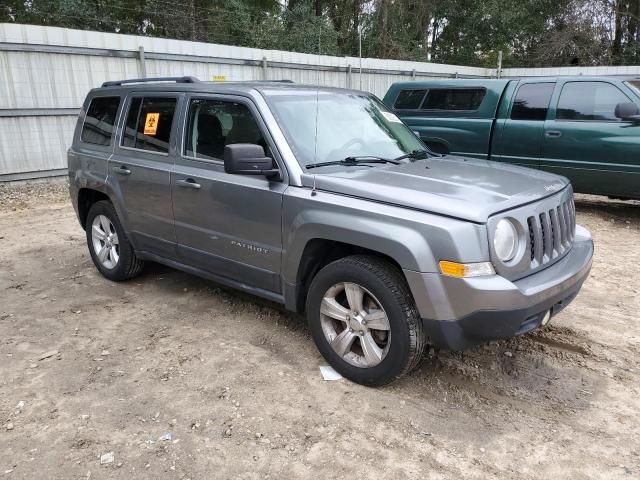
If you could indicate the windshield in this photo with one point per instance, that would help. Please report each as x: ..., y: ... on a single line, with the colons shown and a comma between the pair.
x: 327, y: 126
x: 635, y: 85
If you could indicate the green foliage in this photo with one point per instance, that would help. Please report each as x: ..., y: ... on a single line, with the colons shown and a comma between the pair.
x: 466, y: 32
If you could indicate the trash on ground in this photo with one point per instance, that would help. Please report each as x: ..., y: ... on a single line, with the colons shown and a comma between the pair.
x: 107, y: 458
x: 329, y: 374
x: 48, y: 354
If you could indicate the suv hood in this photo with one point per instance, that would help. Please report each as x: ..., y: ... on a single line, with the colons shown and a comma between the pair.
x: 458, y: 187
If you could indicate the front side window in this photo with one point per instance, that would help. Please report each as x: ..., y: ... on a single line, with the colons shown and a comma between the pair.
x: 460, y: 99
x: 532, y: 101
x: 148, y: 125
x: 214, y: 124
x: 589, y: 101
x: 409, y: 99
x: 324, y: 126
x: 99, y: 120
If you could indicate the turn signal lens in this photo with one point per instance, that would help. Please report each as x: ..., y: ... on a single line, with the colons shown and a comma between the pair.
x: 461, y: 270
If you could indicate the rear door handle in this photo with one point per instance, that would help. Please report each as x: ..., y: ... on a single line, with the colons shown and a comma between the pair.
x: 553, y: 133
x: 188, y: 183
x: 122, y: 170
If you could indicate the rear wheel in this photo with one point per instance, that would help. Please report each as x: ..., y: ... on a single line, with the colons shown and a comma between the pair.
x: 363, y: 319
x: 109, y: 246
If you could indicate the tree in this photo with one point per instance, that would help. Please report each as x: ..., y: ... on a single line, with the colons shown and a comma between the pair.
x: 466, y: 32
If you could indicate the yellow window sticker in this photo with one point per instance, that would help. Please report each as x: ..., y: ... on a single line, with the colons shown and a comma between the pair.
x: 151, y: 123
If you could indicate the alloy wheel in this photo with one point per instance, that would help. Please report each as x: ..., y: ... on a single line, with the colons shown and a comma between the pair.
x: 105, y: 241
x: 355, y: 324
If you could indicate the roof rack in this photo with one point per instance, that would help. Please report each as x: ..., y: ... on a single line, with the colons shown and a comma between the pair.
x: 115, y: 83
x: 256, y: 81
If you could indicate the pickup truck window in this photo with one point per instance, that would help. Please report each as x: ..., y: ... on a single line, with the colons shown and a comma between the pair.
x: 98, y: 123
x: 149, y: 124
x: 213, y: 124
x: 460, y: 99
x: 453, y: 99
x: 589, y: 101
x: 409, y: 99
x: 532, y: 101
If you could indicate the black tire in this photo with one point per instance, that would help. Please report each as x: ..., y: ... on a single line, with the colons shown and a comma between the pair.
x: 128, y: 264
x: 386, y: 282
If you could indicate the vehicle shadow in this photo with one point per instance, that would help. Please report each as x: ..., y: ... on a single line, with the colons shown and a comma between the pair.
x: 608, y: 209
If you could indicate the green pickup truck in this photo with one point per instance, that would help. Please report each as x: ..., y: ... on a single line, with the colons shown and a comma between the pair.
x: 585, y: 128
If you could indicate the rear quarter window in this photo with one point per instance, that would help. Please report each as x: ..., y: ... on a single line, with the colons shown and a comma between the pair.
x: 97, y: 128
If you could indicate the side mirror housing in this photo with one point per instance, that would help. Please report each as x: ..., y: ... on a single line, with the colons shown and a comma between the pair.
x: 628, y: 111
x: 248, y: 159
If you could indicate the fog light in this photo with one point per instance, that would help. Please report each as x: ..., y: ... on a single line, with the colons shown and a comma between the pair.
x: 547, y: 317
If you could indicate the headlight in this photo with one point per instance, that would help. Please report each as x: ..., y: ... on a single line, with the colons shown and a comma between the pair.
x: 505, y: 240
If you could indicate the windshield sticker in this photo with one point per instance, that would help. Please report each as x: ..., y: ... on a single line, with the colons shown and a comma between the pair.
x: 151, y: 123
x: 391, y: 117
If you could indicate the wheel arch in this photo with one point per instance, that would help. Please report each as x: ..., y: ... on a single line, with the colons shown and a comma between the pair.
x: 319, y: 252
x: 86, y: 198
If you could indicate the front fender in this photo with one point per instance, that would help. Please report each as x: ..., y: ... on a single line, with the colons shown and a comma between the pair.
x: 399, y: 242
x: 415, y: 240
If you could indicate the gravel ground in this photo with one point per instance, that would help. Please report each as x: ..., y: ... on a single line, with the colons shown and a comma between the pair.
x: 170, y: 376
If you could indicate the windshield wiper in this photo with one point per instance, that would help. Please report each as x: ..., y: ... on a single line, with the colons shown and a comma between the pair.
x: 415, y: 155
x: 350, y: 161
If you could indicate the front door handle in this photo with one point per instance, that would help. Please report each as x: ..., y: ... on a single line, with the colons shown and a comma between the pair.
x: 122, y: 170
x: 553, y: 133
x: 188, y: 183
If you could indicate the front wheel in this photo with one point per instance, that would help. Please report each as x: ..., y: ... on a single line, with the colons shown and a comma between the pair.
x: 364, y: 321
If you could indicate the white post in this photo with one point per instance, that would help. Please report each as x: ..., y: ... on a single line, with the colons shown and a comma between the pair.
x: 142, y: 62
x: 499, y: 71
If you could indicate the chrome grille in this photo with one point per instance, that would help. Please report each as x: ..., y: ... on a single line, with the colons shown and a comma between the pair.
x: 551, y: 232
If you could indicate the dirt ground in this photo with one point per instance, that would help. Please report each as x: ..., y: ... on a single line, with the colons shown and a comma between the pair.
x: 234, y: 380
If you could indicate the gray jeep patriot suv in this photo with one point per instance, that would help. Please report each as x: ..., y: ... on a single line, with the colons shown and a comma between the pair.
x: 323, y: 200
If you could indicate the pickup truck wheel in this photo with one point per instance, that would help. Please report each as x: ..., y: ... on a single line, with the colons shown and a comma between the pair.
x: 364, y: 321
x: 108, y: 244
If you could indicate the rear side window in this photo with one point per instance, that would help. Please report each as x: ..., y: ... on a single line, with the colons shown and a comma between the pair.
x: 454, y: 99
x: 532, y: 101
x: 584, y: 101
x: 99, y: 120
x: 409, y: 99
x: 148, y: 125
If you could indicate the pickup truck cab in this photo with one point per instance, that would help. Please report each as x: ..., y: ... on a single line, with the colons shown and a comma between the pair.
x: 322, y: 200
x: 584, y: 128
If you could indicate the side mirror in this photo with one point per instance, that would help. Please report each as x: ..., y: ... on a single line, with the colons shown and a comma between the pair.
x: 627, y: 111
x: 248, y: 159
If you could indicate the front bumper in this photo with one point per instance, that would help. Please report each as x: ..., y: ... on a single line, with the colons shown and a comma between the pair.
x: 462, y: 312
